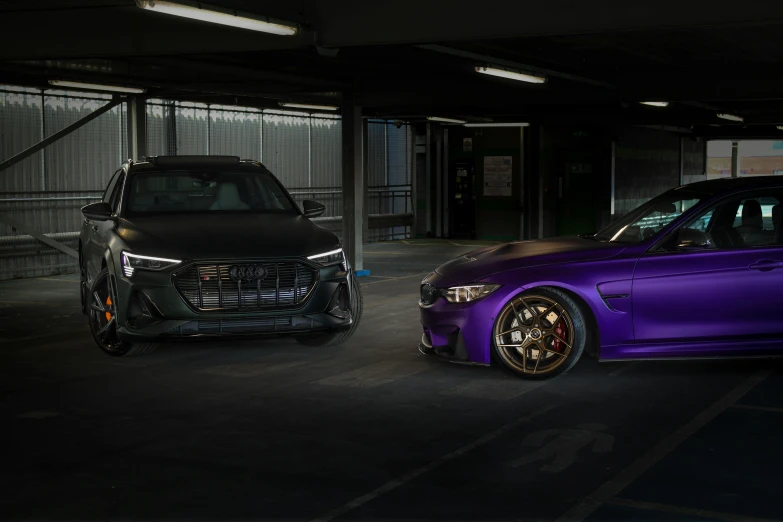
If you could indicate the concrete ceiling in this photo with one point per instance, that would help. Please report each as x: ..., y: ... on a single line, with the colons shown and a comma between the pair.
x: 408, y: 58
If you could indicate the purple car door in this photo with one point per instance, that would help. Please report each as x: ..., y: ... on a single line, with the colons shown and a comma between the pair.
x: 719, y: 276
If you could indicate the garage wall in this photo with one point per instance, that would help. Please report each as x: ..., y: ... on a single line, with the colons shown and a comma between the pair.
x: 46, y: 190
x: 647, y: 163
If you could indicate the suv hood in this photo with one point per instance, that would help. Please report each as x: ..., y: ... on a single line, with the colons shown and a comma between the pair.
x: 227, y: 236
x: 484, y: 262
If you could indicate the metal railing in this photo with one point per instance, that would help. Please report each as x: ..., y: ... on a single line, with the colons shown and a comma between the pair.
x: 389, y: 209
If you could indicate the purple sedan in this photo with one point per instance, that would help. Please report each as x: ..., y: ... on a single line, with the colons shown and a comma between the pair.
x: 694, y: 272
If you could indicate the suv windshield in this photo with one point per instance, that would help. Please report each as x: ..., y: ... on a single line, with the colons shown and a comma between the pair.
x: 651, y: 217
x: 205, y: 191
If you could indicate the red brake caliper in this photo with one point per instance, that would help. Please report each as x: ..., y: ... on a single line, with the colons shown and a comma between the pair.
x: 560, y: 331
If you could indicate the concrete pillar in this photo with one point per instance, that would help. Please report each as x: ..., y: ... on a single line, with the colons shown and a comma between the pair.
x: 365, y: 185
x: 137, y: 127
x: 354, y: 185
x: 734, y: 159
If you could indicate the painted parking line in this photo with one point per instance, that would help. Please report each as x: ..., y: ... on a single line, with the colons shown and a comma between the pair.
x: 690, y: 512
x: 419, y: 275
x: 401, y: 481
x: 758, y: 408
x: 611, y: 488
x: 494, y: 389
x: 375, y: 374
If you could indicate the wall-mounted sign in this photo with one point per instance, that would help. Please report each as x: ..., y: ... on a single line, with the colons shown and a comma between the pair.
x: 467, y: 144
x: 497, y: 176
x: 581, y: 168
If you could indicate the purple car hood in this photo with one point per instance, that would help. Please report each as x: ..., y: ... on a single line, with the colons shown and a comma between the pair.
x: 484, y: 262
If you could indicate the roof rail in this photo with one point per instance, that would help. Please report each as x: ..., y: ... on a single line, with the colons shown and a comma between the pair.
x: 193, y: 160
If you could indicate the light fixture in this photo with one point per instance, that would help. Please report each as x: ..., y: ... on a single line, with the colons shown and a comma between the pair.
x: 332, y: 257
x: 216, y: 15
x: 511, y: 75
x: 780, y: 127
x: 445, y: 120
x: 655, y: 103
x: 502, y: 124
x: 96, y: 86
x: 731, y: 117
x: 467, y: 293
x: 309, y: 106
x: 132, y: 262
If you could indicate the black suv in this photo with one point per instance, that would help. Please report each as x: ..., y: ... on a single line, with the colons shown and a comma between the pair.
x: 184, y: 246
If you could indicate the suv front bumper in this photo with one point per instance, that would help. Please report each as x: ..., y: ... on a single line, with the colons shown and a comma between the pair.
x: 149, y: 307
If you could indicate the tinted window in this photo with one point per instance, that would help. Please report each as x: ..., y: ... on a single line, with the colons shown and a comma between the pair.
x: 116, y: 192
x: 652, y: 217
x: 747, y: 220
x: 110, y: 187
x: 203, y: 191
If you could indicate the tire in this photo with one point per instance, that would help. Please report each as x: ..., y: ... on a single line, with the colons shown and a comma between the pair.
x: 340, y: 336
x: 553, y: 331
x: 102, y: 319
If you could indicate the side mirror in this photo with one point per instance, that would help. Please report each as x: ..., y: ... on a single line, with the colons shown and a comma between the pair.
x: 100, y: 211
x: 313, y: 208
x: 690, y: 239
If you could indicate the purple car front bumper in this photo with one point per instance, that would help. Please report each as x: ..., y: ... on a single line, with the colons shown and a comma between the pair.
x: 461, y: 332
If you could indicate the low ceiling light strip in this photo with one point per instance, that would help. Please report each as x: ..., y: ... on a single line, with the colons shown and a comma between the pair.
x: 780, y: 127
x: 502, y: 124
x: 445, y: 120
x: 730, y: 117
x: 216, y: 15
x: 655, y: 103
x: 96, y: 86
x: 309, y: 106
x: 511, y: 75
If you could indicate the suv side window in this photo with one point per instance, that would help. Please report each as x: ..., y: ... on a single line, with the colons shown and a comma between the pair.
x: 745, y: 220
x: 114, y: 201
x: 110, y: 187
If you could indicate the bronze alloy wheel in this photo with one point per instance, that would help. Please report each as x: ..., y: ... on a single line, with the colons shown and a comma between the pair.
x: 534, y: 335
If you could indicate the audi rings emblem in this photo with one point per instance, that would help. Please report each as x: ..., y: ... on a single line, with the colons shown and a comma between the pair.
x: 247, y: 273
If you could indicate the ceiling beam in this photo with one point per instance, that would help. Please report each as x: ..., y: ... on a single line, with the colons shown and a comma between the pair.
x: 347, y: 22
x: 124, y: 30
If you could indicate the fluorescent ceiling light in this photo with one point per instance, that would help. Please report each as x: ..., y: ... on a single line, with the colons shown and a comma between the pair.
x: 780, y: 127
x: 445, y: 120
x: 655, y: 103
x: 511, y: 75
x: 216, y: 15
x: 96, y: 86
x: 730, y: 117
x: 520, y: 124
x: 309, y: 106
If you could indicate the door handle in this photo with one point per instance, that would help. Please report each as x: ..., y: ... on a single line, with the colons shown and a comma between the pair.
x: 766, y: 265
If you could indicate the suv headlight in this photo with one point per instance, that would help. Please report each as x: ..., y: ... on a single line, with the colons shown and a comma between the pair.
x: 333, y: 257
x: 468, y: 293
x: 131, y: 262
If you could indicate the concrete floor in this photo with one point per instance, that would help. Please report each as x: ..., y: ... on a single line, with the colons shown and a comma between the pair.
x: 372, y: 430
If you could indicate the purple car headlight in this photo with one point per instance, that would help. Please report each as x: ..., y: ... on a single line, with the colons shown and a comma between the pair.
x: 468, y: 293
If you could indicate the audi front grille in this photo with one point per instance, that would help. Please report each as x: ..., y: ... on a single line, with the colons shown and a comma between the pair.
x: 211, y: 287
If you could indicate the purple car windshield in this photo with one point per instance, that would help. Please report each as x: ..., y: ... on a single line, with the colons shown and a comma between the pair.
x: 650, y: 218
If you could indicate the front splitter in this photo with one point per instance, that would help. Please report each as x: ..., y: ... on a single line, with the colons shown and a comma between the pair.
x: 426, y: 349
